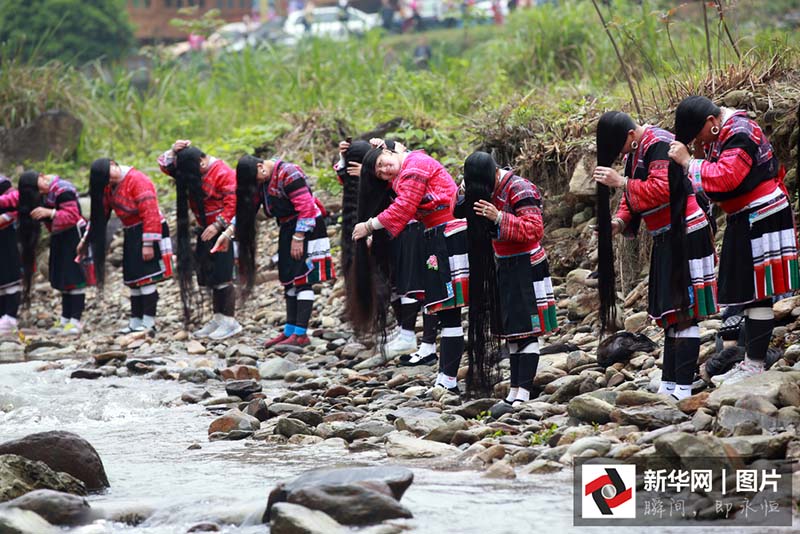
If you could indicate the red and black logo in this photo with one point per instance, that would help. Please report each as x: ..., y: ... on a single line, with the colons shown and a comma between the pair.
x: 608, y: 491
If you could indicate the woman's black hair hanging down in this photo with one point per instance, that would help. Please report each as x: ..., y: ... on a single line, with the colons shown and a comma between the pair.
x: 29, y: 229
x: 98, y: 180
x: 246, y: 191
x: 483, y: 341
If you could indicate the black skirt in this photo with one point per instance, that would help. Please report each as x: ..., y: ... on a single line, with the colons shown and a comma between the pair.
x: 316, y: 264
x: 11, y: 266
x: 408, y: 255
x: 212, y: 269
x: 661, y: 302
x: 135, y: 271
x: 446, y: 267
x: 759, y: 254
x: 65, y: 273
x: 527, y: 302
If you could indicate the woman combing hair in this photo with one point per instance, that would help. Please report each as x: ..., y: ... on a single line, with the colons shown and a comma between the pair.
x: 208, y: 186
x: 304, y: 250
x: 511, y: 291
x: 146, y: 249
x: 51, y: 200
x: 682, y: 287
x: 11, y: 266
x: 734, y: 164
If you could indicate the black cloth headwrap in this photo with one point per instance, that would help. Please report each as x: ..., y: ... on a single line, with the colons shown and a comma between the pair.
x: 483, y: 340
x: 99, y: 176
x: 612, y: 130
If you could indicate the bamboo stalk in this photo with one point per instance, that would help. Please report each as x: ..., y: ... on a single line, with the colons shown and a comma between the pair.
x: 708, y: 46
x: 619, y: 57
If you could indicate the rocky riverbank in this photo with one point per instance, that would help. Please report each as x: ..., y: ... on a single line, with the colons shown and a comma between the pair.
x: 340, y: 391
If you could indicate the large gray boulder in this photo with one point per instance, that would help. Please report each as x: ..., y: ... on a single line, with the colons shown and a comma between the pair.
x: 19, y: 475
x: 55, y: 507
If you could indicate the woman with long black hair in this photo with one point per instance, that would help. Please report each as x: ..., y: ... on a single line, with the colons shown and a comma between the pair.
x: 511, y: 291
x: 147, y: 248
x: 348, y: 170
x: 10, y: 267
x: 425, y: 192
x: 304, y: 250
x: 736, y: 168
x: 53, y: 201
x: 208, y: 186
x: 682, y: 287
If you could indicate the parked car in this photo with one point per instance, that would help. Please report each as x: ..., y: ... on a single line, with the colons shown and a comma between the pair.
x: 327, y: 22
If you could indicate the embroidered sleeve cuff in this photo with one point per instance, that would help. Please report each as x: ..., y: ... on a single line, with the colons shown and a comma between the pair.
x: 222, y: 221
x: 695, y: 166
x: 151, y: 237
x: 305, y: 225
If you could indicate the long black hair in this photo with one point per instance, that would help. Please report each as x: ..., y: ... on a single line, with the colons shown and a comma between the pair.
x: 690, y: 117
x: 367, y: 300
x: 188, y: 184
x: 354, y: 154
x: 612, y: 130
x: 29, y: 228
x: 246, y: 190
x: 99, y: 176
x: 484, y: 314
x: 5, y: 184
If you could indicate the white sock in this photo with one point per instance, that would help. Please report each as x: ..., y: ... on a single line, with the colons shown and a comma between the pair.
x: 512, y: 394
x: 682, y: 391
x: 148, y: 321
x: 64, y: 320
x: 439, y: 381
x: 449, y: 381
x: 426, y: 349
x: 666, y: 388
x: 75, y: 322
x: 523, y: 395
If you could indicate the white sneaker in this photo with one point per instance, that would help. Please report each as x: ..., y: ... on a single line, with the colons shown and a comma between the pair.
x: 72, y: 328
x: 210, y: 326
x: 740, y: 371
x: 134, y: 325
x: 228, y: 327
x: 7, y: 325
x: 401, y: 345
x: 58, y: 326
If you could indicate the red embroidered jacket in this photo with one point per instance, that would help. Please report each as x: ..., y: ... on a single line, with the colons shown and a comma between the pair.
x: 648, y: 182
x: 425, y: 192
x: 9, y: 201
x: 135, y: 202
x: 287, y: 195
x: 521, y: 227
x: 740, y: 166
x: 219, y: 186
x: 63, y: 196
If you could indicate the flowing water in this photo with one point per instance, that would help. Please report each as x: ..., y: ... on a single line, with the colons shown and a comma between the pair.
x: 144, y: 442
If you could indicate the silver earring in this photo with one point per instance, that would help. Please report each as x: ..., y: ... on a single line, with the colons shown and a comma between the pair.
x: 634, y: 145
x: 714, y: 130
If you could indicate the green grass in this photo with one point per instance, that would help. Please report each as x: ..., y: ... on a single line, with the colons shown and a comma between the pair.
x: 539, y: 74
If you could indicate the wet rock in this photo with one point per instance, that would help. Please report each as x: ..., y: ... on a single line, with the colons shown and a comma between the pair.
x: 196, y: 376
x: 542, y: 467
x: 445, y: 432
x: 757, y: 447
x: 778, y: 388
x: 242, y: 388
x: 500, y: 409
x: 204, y: 527
x: 495, y: 452
x: 234, y: 420
x: 309, y: 417
x: 590, y: 409
x: 594, y: 443
x: 62, y: 451
x: 502, y: 470
x: 16, y: 521
x: 276, y: 368
x: 257, y: 408
x: 19, y: 475
x: 293, y: 519
x: 693, y: 451
x: 396, y: 478
x: 55, y: 507
x: 336, y: 391
x: 281, y: 408
x: 240, y: 372
x: 105, y: 357
x: 89, y: 374
x: 363, y: 503
x: 11, y: 352
x: 399, y: 445
x: 471, y: 409
x: 416, y: 421
x: 289, y: 427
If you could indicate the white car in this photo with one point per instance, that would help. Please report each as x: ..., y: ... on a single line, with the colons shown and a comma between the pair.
x: 327, y: 23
